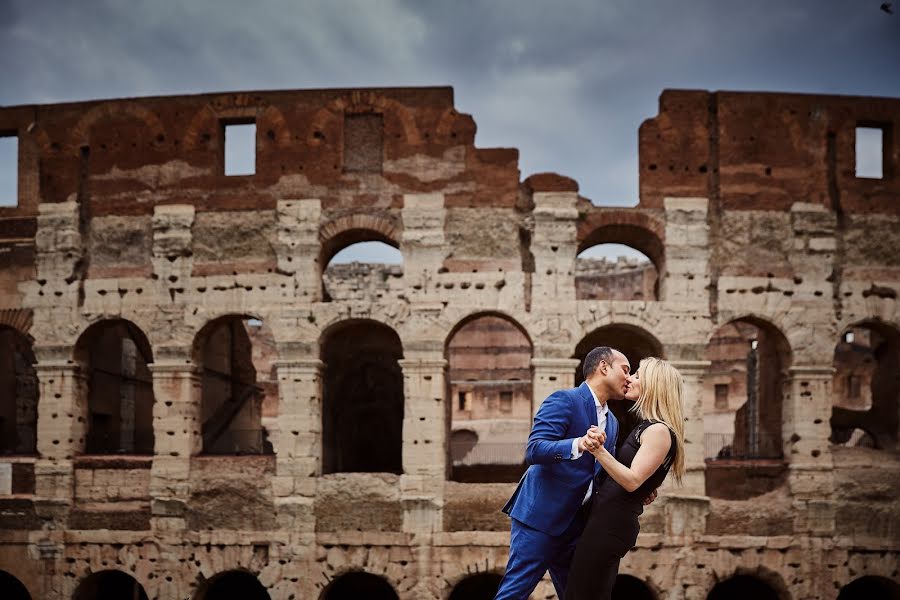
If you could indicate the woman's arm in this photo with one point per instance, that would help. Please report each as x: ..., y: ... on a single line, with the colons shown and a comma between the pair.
x: 655, y: 444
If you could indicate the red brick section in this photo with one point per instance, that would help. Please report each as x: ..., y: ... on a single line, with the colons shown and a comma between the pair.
x: 550, y: 182
x: 765, y: 151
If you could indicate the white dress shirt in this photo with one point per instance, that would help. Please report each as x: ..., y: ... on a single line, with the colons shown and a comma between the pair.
x: 602, y: 410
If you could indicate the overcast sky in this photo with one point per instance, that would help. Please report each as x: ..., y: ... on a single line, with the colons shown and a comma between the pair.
x: 567, y: 83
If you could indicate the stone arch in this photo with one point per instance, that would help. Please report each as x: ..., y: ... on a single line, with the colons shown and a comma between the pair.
x: 272, y: 118
x: 629, y: 587
x: 341, y: 232
x: 206, y: 116
x: 235, y: 355
x: 489, y: 372
x: 635, y: 343
x: 109, y: 584
x: 363, y: 398
x: 743, y: 585
x: 115, y: 356
x: 236, y: 584
x: 360, y: 102
x: 869, y: 587
x: 478, y: 586
x: 79, y: 134
x: 19, y: 319
x: 622, y: 226
x: 19, y: 392
x: 12, y: 588
x: 866, y: 386
x: 354, y: 585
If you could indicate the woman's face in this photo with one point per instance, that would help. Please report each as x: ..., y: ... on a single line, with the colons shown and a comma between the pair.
x: 633, y: 389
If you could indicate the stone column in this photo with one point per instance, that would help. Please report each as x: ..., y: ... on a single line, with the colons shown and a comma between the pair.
x: 298, y: 247
x: 423, y: 244
x: 549, y: 375
x: 177, y: 437
x: 296, y: 436
x: 694, y: 462
x: 61, y: 432
x: 554, y: 247
x: 805, y: 433
x: 685, y: 279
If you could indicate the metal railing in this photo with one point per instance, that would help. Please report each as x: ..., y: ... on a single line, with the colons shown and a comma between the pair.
x: 724, y: 446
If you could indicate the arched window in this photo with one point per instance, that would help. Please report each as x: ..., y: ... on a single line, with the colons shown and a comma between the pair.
x: 18, y: 394
x: 12, y: 588
x: 635, y: 344
x: 866, y: 389
x: 489, y: 358
x: 362, y: 412
x: 232, y: 585
x: 109, y: 584
x: 481, y: 586
x: 615, y: 272
x: 236, y: 354
x: 870, y: 587
x: 743, y: 587
x: 356, y: 585
x: 115, y: 354
x: 362, y: 271
x: 628, y: 587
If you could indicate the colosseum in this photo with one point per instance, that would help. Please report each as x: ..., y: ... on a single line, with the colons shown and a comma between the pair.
x: 198, y: 403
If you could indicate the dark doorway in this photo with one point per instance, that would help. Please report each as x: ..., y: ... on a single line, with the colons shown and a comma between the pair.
x: 12, y: 588
x: 743, y: 587
x: 359, y: 585
x: 234, y: 585
x: 362, y: 410
x: 18, y: 394
x: 109, y: 585
x: 482, y: 586
x: 631, y: 588
x: 870, y: 588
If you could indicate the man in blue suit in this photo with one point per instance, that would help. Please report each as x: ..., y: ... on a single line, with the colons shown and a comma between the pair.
x: 550, y: 506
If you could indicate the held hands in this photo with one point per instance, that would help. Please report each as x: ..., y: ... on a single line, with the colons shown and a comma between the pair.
x: 592, y: 441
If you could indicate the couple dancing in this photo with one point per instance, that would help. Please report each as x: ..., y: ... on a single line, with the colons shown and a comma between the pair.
x: 577, y: 507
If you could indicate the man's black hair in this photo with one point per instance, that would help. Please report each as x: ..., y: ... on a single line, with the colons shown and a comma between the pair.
x: 592, y: 360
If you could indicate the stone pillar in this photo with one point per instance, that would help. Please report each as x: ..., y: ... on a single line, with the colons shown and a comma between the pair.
x: 61, y: 430
x: 172, y: 243
x: 549, y: 375
x: 177, y: 437
x: 423, y: 244
x: 694, y: 462
x: 298, y: 247
x: 807, y: 411
x: 684, y: 278
x: 296, y: 436
x: 554, y: 248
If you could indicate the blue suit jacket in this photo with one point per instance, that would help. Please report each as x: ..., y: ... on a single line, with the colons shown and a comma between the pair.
x: 553, y: 487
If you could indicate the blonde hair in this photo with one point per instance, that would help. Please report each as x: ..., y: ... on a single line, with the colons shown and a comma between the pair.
x: 662, y: 389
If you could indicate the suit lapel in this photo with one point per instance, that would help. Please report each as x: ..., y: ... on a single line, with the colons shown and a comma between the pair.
x: 588, y: 404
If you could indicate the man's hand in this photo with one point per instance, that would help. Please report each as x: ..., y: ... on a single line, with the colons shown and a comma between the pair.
x: 593, y: 439
x: 649, y: 499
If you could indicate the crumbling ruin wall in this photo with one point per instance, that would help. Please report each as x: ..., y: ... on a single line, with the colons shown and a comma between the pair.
x: 750, y: 213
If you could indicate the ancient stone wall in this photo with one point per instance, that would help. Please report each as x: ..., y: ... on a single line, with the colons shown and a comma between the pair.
x: 301, y: 418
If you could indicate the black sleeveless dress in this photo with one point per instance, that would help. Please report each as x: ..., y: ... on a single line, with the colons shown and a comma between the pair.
x: 612, y: 526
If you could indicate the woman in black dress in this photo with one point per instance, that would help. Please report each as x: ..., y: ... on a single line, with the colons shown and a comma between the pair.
x: 654, y: 447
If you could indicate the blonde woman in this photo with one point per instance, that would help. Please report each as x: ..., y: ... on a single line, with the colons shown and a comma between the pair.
x: 654, y: 447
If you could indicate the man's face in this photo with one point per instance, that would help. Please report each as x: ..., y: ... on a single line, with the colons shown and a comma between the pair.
x: 617, y: 376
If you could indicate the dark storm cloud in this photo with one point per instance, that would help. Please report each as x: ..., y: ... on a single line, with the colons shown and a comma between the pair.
x: 568, y: 83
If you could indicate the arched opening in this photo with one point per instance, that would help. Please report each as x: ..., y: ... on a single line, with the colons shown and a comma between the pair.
x: 109, y: 584
x: 232, y: 585
x: 615, y: 272
x: 742, y: 409
x: 870, y: 587
x: 628, y: 587
x: 18, y: 394
x: 743, y: 587
x: 362, y: 412
x: 866, y: 388
x: 481, y: 586
x: 489, y: 359
x: 236, y: 355
x: 358, y: 584
x: 115, y: 355
x: 635, y: 344
x: 12, y: 588
x: 360, y: 264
